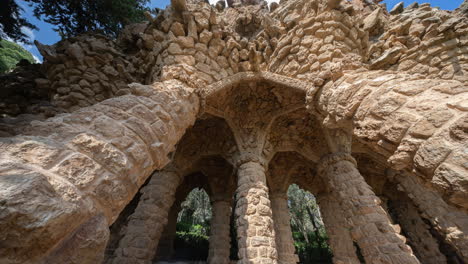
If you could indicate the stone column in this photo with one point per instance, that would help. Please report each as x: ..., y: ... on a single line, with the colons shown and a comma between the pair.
x: 147, y: 223
x: 166, y: 242
x: 283, y: 235
x: 255, y: 229
x: 448, y: 221
x: 339, y: 237
x: 220, y: 240
x: 379, y: 241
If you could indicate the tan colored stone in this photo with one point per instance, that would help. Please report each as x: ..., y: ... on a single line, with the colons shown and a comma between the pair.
x: 285, y: 87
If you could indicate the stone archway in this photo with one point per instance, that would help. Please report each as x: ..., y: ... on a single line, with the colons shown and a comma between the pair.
x: 163, y: 194
x: 310, y: 81
x: 252, y: 133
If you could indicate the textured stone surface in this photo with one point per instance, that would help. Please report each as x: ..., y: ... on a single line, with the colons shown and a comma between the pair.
x: 79, y: 165
x: 247, y: 91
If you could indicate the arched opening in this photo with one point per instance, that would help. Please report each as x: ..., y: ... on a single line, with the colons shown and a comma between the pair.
x: 193, y: 227
x: 186, y: 234
x: 307, y: 227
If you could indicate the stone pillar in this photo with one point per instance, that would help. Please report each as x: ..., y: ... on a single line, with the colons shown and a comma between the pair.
x: 379, y: 241
x: 147, y: 223
x: 255, y: 229
x: 166, y: 242
x: 220, y: 240
x: 283, y: 235
x: 339, y: 237
x: 448, y: 221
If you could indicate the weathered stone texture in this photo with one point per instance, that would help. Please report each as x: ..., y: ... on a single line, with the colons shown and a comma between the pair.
x: 146, y: 224
x: 220, y: 243
x: 79, y: 165
x: 255, y: 228
x: 284, y: 239
x: 280, y: 96
x: 407, y: 119
x: 338, y: 230
x: 379, y: 241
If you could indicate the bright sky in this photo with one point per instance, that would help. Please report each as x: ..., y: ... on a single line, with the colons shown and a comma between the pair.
x: 46, y: 35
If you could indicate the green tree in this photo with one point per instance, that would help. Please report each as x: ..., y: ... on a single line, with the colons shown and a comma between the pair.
x: 10, y: 54
x: 193, y: 226
x: 308, y: 230
x: 196, y: 211
x: 11, y: 21
x: 72, y: 17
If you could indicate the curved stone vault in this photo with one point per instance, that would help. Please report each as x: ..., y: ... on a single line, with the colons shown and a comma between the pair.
x: 366, y: 110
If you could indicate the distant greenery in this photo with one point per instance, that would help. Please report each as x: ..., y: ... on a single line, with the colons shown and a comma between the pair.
x: 193, y: 227
x: 310, y: 238
x: 191, y: 242
x: 196, y: 210
x: 10, y: 54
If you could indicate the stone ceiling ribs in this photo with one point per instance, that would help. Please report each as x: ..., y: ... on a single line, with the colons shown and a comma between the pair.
x: 341, y: 97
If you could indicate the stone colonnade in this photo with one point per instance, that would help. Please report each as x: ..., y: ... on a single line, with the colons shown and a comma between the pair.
x: 378, y: 240
x: 148, y: 230
x: 353, y: 217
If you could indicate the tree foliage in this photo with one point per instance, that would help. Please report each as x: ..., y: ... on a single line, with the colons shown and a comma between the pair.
x: 72, y: 17
x: 11, y: 22
x: 196, y: 210
x: 310, y: 238
x: 10, y: 54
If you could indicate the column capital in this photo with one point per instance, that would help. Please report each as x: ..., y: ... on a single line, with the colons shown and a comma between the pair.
x: 250, y: 157
x: 333, y: 158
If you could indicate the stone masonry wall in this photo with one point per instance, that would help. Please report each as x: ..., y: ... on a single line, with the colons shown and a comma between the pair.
x: 295, y: 69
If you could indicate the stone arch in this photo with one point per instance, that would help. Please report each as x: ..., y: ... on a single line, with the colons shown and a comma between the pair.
x: 166, y: 248
x: 90, y: 166
x: 288, y: 168
x: 272, y: 96
x: 164, y: 191
x: 217, y: 101
x: 209, y: 136
x: 279, y: 177
x: 297, y: 131
x: 85, y: 166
